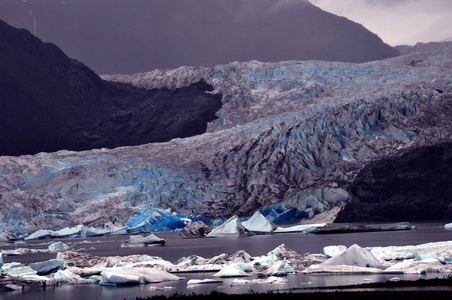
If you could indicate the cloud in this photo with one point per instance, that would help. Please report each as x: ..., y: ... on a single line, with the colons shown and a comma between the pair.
x: 397, y: 22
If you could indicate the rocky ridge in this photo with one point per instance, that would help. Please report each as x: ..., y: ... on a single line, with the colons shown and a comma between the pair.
x: 50, y: 102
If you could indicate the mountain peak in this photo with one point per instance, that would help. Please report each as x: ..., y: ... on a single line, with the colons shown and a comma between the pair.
x: 135, y: 36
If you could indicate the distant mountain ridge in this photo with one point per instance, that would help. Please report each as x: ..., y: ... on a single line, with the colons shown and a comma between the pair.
x: 129, y: 36
x: 49, y: 102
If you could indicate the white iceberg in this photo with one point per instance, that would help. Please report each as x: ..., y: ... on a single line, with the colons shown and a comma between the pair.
x: 269, y: 280
x: 305, y: 228
x: 231, y: 228
x: 341, y: 269
x: 258, y: 224
x: 448, y: 226
x: 108, y: 229
x: 68, y: 231
x: 137, y: 275
x: 235, y: 270
x: 119, y: 278
x: 58, y: 247
x: 331, y: 251
x: 411, y: 266
x: 354, y: 256
x: 67, y: 276
x: 143, y: 241
x: 434, y: 250
x: 203, y: 281
x: 40, y: 234
x: 26, y: 273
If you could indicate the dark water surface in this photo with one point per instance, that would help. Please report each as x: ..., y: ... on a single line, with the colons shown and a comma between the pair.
x: 177, y: 247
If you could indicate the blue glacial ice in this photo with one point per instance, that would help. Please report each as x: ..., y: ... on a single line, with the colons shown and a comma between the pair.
x: 290, y: 138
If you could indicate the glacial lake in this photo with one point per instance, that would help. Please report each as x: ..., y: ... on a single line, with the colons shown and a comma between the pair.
x: 176, y: 248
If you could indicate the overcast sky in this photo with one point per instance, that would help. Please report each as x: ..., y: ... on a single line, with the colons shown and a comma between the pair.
x: 397, y: 22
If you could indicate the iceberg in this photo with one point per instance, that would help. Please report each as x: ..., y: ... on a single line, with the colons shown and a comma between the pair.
x: 68, y: 277
x: 411, y: 266
x: 136, y: 275
x: 46, y: 267
x: 269, y: 280
x: 203, y: 281
x: 119, y: 278
x: 341, y: 269
x: 143, y: 241
x: 258, y: 224
x: 231, y: 228
x: 341, y: 228
x: 109, y: 228
x: 58, y: 247
x: 40, y: 234
x: 235, y: 270
x: 448, y: 226
x: 354, y: 256
x: 434, y: 250
x: 305, y: 228
x: 68, y: 232
x: 331, y: 251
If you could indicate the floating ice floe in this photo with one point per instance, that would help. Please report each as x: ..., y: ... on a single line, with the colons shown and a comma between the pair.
x: 49, y: 266
x: 143, y: 241
x: 269, y: 280
x: 331, y: 251
x: 420, y: 259
x: 353, y: 260
x: 433, y: 250
x: 305, y: 228
x: 203, y: 281
x: 58, y: 247
x: 108, y: 229
x: 411, y: 266
x: 348, y: 228
x: 125, y: 276
x: 66, y: 276
x: 354, y: 256
x: 231, y: 228
x: 65, y: 232
x: 258, y: 224
x: 448, y: 226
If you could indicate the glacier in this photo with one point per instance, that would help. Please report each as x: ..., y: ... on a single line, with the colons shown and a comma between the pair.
x: 289, y: 140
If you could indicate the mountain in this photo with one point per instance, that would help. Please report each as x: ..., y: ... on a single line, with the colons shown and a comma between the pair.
x: 50, y: 102
x: 130, y: 36
x: 295, y: 138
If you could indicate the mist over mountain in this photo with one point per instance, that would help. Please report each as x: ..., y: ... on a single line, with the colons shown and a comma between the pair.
x: 50, y: 102
x: 129, y: 36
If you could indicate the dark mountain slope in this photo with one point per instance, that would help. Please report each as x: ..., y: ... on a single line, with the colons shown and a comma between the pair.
x: 415, y: 186
x: 50, y: 102
x: 129, y: 36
